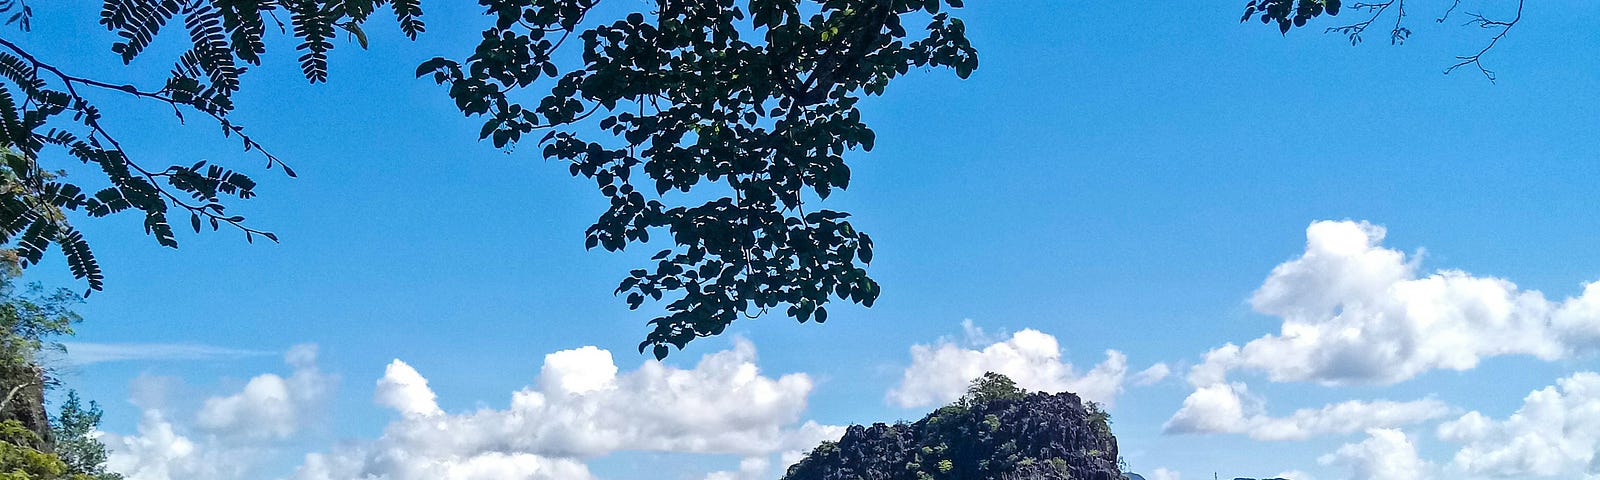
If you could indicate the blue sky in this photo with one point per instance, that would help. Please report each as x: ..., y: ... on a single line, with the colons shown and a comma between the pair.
x: 1112, y: 178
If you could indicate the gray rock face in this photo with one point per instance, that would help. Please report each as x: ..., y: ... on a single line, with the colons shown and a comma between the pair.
x: 1037, y: 437
x: 26, y: 404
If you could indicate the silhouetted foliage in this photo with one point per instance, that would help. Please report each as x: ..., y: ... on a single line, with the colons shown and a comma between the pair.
x: 1289, y: 14
x: 755, y: 101
x: 48, y: 116
x: 752, y: 101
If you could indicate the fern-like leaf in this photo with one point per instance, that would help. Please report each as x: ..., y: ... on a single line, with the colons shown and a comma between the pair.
x: 210, y: 52
x: 314, y: 26
x: 80, y: 259
x: 35, y: 240
x: 155, y: 223
x: 409, y: 13
x: 242, y: 19
x: 137, y: 22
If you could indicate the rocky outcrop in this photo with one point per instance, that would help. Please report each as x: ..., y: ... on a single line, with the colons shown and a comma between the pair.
x: 22, y: 399
x: 1035, y: 436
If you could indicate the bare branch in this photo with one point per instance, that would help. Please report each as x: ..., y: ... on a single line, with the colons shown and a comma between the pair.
x: 11, y: 395
x: 1448, y: 11
x: 1476, y: 59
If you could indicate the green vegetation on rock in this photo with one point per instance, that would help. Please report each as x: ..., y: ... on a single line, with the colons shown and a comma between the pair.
x: 996, y: 431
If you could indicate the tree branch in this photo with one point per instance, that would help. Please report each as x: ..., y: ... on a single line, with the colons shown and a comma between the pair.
x: 1476, y: 59
x: 11, y: 395
x: 69, y: 80
x: 90, y: 119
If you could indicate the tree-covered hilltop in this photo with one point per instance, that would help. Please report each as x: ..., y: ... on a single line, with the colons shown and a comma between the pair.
x: 33, y: 445
x: 996, y: 431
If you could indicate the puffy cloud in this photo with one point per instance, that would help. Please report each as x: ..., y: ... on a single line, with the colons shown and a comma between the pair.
x: 405, y: 391
x: 1355, y: 312
x: 1150, y: 376
x: 234, y: 431
x: 160, y: 452
x: 941, y: 373
x: 1555, y: 433
x: 582, y: 407
x: 358, y: 462
x: 271, y: 406
x: 750, y: 468
x: 1386, y: 454
x: 1164, y: 474
x: 1229, y: 408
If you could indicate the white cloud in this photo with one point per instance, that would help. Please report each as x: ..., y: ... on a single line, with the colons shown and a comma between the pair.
x: 1294, y: 475
x: 582, y: 407
x: 1229, y: 408
x: 406, y: 391
x: 358, y: 462
x: 1554, y: 434
x: 1164, y: 474
x: 271, y: 406
x: 86, y: 353
x: 941, y: 373
x: 1150, y: 376
x: 1355, y: 312
x: 160, y: 452
x: 750, y: 468
x: 233, y: 433
x: 1386, y: 454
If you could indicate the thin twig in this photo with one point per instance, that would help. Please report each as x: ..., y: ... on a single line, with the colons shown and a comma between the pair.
x: 1476, y: 59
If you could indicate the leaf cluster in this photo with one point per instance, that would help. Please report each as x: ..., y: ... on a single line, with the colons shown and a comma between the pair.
x: 76, y: 443
x: 49, y: 118
x: 1287, y: 13
x: 29, y: 316
x: 31, y: 445
x: 753, y: 100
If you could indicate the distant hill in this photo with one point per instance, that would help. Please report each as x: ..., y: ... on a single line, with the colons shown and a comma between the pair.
x: 996, y: 432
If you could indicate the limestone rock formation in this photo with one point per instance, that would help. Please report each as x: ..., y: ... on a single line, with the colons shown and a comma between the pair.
x: 1034, y: 436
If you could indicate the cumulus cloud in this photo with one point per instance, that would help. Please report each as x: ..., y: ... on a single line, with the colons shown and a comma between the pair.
x: 1230, y: 408
x: 360, y: 462
x: 582, y: 407
x: 1150, y: 376
x: 1356, y: 312
x: 1555, y: 434
x: 941, y: 372
x: 750, y: 468
x: 271, y: 406
x: 1386, y: 454
x: 233, y: 431
x: 1294, y: 475
x: 406, y: 391
x: 1164, y: 474
x: 159, y: 451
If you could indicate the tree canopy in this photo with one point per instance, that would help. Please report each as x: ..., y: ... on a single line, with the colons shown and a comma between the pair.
x: 1290, y: 14
x: 32, y: 444
x: 715, y: 126
x: 751, y: 101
